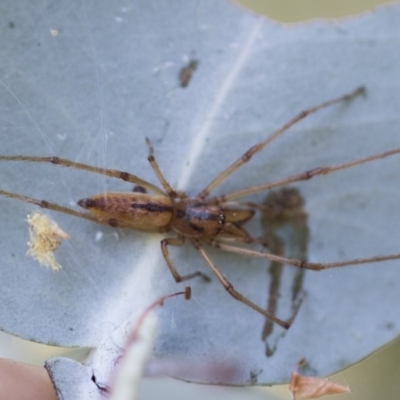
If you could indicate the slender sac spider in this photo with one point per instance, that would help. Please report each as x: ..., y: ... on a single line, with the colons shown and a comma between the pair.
x: 215, y: 221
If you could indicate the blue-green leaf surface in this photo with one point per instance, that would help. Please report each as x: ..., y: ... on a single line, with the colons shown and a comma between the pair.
x: 90, y: 80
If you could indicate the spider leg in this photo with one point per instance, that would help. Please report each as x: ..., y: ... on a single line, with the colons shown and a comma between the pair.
x: 238, y: 296
x: 299, y: 177
x: 248, y: 239
x: 301, y: 263
x: 153, y: 163
x: 48, y: 205
x: 125, y: 176
x: 259, y: 146
x: 178, y: 278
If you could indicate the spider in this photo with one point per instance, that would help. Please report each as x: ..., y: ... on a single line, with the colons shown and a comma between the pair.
x: 217, y: 221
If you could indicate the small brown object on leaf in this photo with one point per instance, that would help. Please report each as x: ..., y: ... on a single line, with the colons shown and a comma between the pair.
x: 311, y: 387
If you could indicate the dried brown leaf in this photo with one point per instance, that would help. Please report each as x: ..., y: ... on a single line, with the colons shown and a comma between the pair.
x: 311, y: 387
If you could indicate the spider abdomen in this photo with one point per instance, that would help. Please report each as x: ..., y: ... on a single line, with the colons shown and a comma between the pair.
x: 139, y: 210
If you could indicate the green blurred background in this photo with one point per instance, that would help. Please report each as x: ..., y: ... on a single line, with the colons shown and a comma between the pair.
x: 303, y: 10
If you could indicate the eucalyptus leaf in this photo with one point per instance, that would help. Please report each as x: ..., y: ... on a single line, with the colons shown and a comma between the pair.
x: 90, y: 80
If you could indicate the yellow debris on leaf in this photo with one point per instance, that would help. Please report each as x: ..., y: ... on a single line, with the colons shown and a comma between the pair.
x: 44, y: 238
